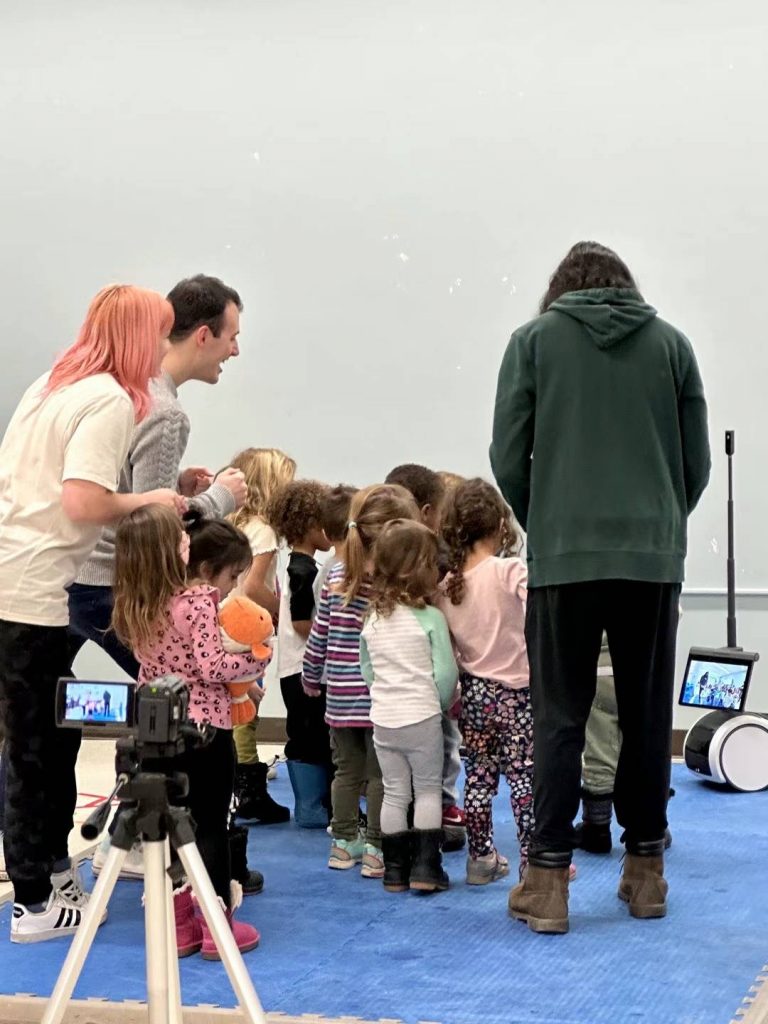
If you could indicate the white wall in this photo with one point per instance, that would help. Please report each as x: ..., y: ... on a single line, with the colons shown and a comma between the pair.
x: 389, y: 187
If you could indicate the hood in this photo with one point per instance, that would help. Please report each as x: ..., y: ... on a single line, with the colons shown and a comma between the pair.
x: 608, y: 314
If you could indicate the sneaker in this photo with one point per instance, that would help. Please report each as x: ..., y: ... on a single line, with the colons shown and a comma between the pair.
x: 487, y: 869
x: 345, y: 854
x: 133, y: 865
x: 58, y: 919
x: 373, y: 862
x: 69, y: 885
x: 3, y: 873
x: 454, y: 816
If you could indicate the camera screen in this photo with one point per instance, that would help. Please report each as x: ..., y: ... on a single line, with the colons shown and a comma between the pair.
x: 715, y: 684
x: 96, y: 703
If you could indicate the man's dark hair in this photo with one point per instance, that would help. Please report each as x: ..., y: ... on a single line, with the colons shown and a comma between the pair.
x: 200, y: 301
x: 587, y: 265
x: 424, y: 484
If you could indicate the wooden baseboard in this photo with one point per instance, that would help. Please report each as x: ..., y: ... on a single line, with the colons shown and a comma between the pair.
x: 271, y: 730
x: 678, y: 738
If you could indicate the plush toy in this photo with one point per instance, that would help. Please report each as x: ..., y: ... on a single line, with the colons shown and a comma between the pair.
x: 245, y: 626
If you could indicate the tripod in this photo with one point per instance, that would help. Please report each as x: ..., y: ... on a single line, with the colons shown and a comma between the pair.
x: 147, y: 814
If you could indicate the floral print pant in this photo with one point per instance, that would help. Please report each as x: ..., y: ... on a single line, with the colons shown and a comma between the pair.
x: 497, y: 727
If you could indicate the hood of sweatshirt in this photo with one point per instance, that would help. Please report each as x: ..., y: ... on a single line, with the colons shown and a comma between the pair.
x: 608, y: 314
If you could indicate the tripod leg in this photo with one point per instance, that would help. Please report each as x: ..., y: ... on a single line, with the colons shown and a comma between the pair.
x: 222, y: 933
x: 156, y: 931
x: 174, y: 983
x: 81, y: 944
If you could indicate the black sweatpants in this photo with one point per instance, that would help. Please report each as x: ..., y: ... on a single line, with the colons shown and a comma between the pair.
x: 309, y: 738
x: 211, y: 773
x: 563, y: 631
x: 41, y: 791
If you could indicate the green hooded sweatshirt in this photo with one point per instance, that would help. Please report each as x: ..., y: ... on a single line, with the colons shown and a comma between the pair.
x: 600, y: 440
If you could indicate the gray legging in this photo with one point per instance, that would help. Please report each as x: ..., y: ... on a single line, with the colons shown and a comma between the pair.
x: 411, y: 761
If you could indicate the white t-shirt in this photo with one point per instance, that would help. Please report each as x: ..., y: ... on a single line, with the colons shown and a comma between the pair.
x: 78, y: 432
x: 262, y: 539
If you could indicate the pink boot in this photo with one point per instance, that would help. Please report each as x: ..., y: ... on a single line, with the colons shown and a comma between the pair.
x: 246, y: 937
x: 189, y: 934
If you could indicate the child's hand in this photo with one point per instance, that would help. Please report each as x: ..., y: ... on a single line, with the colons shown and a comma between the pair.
x: 309, y: 691
x: 256, y: 693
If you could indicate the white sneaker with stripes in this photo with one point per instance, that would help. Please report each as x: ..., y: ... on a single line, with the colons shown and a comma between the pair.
x: 57, y: 919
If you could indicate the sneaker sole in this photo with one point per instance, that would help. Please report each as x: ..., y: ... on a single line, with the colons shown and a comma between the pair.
x: 399, y: 887
x: 427, y: 887
x: 342, y: 865
x: 367, y: 872
x: 52, y: 933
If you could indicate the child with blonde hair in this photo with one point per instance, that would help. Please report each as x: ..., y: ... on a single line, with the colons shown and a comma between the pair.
x: 409, y: 665
x: 172, y: 626
x: 266, y: 470
x: 333, y: 648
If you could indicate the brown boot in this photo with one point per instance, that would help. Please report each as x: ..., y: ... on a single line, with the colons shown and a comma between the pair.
x: 541, y: 899
x: 643, y: 885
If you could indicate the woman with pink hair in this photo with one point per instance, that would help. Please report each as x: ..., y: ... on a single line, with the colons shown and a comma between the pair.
x: 60, y: 461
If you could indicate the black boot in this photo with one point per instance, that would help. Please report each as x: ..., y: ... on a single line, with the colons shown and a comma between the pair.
x: 397, y: 861
x: 593, y: 833
x: 251, y: 881
x: 254, y: 804
x: 427, y: 873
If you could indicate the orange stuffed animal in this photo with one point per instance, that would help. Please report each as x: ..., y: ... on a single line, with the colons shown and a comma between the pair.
x: 245, y: 626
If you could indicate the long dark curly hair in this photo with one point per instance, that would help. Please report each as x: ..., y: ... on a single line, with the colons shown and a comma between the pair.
x: 587, y: 265
x: 474, y: 511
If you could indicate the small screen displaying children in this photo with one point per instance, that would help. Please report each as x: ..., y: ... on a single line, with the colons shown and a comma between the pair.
x: 89, y: 703
x: 710, y: 684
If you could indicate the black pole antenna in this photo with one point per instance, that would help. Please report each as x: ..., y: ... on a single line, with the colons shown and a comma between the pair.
x: 730, y: 447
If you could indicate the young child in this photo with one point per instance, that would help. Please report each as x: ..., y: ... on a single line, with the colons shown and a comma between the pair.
x: 408, y: 662
x: 296, y: 514
x: 333, y: 648
x: 483, y: 598
x: 266, y: 470
x: 428, y: 490
x: 172, y: 628
x: 334, y: 516
x: 219, y: 553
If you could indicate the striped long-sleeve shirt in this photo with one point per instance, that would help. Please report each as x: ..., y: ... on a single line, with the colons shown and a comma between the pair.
x: 334, y: 645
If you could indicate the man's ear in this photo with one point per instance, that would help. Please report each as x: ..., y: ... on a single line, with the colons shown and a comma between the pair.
x: 202, y: 335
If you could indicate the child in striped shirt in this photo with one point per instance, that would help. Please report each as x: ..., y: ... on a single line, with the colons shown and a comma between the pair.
x: 333, y: 648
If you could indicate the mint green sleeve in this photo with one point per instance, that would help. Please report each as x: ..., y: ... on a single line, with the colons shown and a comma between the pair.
x: 366, y: 668
x: 444, y: 668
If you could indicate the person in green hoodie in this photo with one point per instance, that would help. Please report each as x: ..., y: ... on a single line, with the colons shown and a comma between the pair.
x: 600, y: 446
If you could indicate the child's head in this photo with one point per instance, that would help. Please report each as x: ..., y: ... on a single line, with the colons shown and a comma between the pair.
x: 334, y: 512
x: 370, y: 511
x: 151, y: 552
x: 450, y: 480
x: 474, y: 512
x: 426, y: 487
x: 218, y: 552
x: 405, y: 569
x: 266, y: 470
x: 295, y: 513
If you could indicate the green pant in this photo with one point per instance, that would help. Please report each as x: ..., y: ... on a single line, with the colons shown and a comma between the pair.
x: 354, y: 757
x: 245, y: 742
x: 602, y: 744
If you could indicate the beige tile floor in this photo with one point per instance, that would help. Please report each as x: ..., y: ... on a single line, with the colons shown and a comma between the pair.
x: 95, y: 780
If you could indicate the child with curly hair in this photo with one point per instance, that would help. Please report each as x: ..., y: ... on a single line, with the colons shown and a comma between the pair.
x: 484, y: 598
x: 296, y: 513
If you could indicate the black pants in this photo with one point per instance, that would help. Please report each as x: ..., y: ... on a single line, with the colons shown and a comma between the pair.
x: 90, y: 617
x: 563, y: 632
x: 41, y: 791
x: 211, y: 773
x: 309, y: 739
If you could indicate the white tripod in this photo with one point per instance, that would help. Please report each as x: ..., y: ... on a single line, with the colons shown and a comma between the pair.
x: 150, y: 816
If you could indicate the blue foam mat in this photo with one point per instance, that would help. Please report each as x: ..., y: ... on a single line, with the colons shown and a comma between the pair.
x: 336, y: 944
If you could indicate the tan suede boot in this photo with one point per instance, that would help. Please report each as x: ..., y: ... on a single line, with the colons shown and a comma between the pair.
x: 643, y: 886
x: 541, y: 899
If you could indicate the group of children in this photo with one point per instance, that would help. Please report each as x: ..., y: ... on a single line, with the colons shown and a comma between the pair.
x: 406, y: 641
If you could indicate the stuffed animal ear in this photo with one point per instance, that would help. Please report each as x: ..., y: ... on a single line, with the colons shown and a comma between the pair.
x: 261, y: 651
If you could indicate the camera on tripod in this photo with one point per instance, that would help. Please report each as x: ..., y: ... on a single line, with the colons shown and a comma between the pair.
x: 150, y: 720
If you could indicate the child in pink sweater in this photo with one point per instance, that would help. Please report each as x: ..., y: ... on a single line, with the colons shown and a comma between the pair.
x: 483, y: 598
x: 172, y: 626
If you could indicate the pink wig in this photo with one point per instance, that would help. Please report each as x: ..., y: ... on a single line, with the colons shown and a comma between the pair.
x: 121, y: 336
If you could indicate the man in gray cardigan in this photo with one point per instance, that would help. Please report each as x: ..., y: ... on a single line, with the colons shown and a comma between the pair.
x: 204, y: 337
